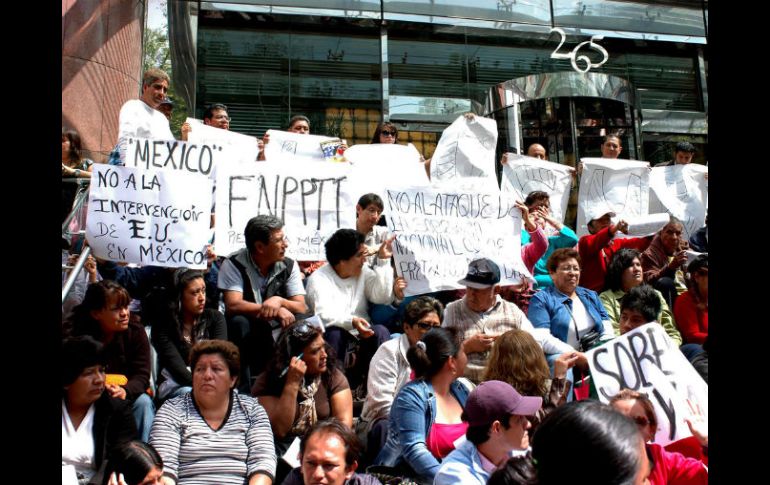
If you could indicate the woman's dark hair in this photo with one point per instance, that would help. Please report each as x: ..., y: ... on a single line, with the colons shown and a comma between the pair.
x: 76, y: 147
x: 643, y: 299
x: 227, y: 350
x: 335, y: 427
x: 622, y: 260
x: 79, y: 353
x: 169, y: 306
x: 536, y: 196
x: 421, y: 306
x: 96, y: 299
x: 440, y: 345
x: 291, y: 342
x: 571, y: 437
x: 390, y: 126
x: 563, y: 254
x: 699, y: 265
x: 342, y: 245
x: 135, y: 460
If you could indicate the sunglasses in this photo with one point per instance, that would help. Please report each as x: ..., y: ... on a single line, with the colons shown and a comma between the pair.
x: 425, y: 326
x: 387, y: 133
x: 641, y: 421
x: 302, y: 330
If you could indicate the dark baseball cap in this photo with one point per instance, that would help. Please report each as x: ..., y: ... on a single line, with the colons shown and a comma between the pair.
x: 482, y: 273
x: 685, y: 146
x: 493, y: 399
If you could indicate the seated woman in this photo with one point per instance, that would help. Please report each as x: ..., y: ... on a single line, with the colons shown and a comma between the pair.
x: 624, y: 273
x: 303, y: 384
x: 572, y: 313
x: 692, y: 306
x: 104, y: 316
x: 389, y: 370
x: 425, y: 417
x: 517, y: 359
x: 93, y: 423
x: 136, y: 463
x: 186, y: 322
x: 663, y: 260
x: 213, y: 434
x: 666, y: 467
x: 585, y: 438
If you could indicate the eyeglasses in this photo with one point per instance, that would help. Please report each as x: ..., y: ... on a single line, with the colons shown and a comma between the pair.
x: 222, y: 117
x: 641, y: 421
x: 567, y: 269
x: 283, y: 239
x: 425, y: 326
x: 387, y: 133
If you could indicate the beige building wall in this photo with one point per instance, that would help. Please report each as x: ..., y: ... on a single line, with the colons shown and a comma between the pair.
x: 101, y: 67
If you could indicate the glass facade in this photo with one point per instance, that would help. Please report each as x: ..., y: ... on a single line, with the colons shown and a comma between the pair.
x: 337, y: 62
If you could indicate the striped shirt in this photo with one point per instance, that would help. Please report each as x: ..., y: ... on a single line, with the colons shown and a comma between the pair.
x: 195, y: 454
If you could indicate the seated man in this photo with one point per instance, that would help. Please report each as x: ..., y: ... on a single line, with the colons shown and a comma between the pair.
x: 497, y: 429
x: 329, y: 454
x: 340, y: 292
x: 262, y: 289
x: 662, y: 261
x: 389, y: 369
x: 481, y: 316
x: 642, y: 305
x: 597, y: 248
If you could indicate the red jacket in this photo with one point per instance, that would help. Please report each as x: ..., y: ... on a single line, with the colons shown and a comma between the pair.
x: 693, y: 323
x: 596, y: 251
x: 674, y: 468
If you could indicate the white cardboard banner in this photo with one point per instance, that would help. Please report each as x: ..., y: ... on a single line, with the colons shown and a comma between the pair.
x: 612, y: 185
x: 466, y: 149
x: 155, y: 217
x: 285, y: 146
x: 646, y: 225
x: 312, y: 199
x: 175, y: 155
x: 243, y: 147
x: 523, y: 174
x: 377, y: 166
x: 439, y: 231
x: 681, y: 190
x: 647, y: 360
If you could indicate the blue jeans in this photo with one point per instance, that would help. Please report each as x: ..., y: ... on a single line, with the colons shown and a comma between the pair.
x: 144, y: 412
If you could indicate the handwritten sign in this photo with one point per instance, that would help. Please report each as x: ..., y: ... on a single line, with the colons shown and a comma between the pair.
x: 681, y: 190
x: 312, y: 199
x: 244, y: 148
x: 642, y: 226
x: 612, y: 185
x: 158, y: 218
x: 379, y: 165
x: 288, y: 147
x: 647, y: 360
x: 174, y: 155
x: 440, y: 231
x: 466, y: 149
x: 523, y: 174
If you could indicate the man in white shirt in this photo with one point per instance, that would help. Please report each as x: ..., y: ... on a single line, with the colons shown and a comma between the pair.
x: 140, y: 117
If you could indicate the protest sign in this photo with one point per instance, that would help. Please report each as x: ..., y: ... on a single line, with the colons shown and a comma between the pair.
x: 288, y: 147
x: 648, y: 361
x: 180, y: 156
x: 243, y: 148
x: 466, y: 149
x: 380, y: 165
x: 612, y: 185
x: 641, y: 226
x: 312, y: 199
x: 681, y: 190
x: 439, y: 231
x: 155, y: 217
x: 523, y: 174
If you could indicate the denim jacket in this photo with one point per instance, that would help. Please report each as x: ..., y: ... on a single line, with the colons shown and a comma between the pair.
x: 411, y: 418
x: 548, y: 309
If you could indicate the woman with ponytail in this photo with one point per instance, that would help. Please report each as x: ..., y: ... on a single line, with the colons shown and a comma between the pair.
x: 425, y: 416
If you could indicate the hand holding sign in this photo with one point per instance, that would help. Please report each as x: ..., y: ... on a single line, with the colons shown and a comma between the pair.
x: 699, y: 426
x: 386, y: 248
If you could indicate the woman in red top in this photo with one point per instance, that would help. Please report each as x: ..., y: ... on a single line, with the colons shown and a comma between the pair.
x: 667, y: 468
x: 691, y: 310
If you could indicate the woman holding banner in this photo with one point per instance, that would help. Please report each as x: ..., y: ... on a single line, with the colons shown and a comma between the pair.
x: 667, y: 467
x: 385, y: 133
